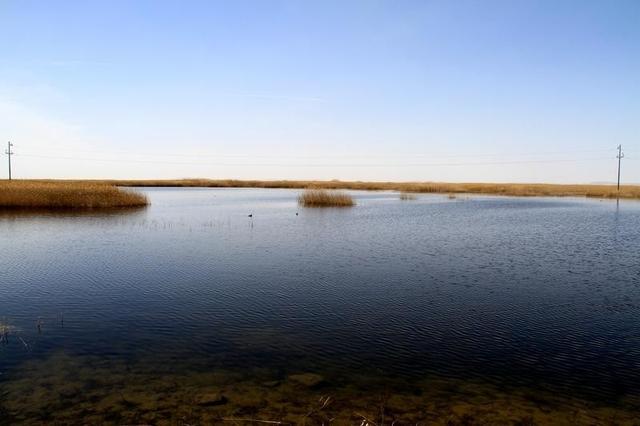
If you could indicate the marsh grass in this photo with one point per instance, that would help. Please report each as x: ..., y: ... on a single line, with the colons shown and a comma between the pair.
x: 510, y: 189
x: 324, y: 198
x: 61, y: 195
x: 407, y: 196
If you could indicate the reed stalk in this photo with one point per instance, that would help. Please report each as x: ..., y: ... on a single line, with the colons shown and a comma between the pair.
x: 57, y: 195
x: 324, y: 198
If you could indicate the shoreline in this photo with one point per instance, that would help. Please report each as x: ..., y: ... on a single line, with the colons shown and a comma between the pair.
x: 505, y: 189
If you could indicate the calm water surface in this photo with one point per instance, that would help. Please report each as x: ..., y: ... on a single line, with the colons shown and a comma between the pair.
x: 534, y: 292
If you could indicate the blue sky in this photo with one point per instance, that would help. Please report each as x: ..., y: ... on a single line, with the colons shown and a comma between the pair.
x: 520, y: 91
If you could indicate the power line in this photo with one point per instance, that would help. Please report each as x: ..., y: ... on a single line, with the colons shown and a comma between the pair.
x: 317, y: 165
x: 345, y: 156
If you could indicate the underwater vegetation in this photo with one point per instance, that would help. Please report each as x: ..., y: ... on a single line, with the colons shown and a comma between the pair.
x: 407, y: 196
x: 64, y: 389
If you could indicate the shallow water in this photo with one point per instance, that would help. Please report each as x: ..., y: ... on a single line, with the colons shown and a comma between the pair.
x: 525, y: 296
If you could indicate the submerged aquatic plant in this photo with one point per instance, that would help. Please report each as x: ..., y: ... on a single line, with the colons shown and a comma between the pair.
x: 407, y: 196
x: 64, y: 389
x: 4, y: 333
x: 6, y: 330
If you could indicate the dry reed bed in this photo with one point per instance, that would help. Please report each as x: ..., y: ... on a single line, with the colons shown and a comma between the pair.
x: 511, y: 189
x: 324, y: 198
x: 61, y: 195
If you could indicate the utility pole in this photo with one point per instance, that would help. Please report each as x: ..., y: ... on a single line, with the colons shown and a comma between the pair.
x: 9, y: 154
x: 620, y: 156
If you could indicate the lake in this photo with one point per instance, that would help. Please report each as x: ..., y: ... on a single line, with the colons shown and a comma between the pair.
x: 495, y: 309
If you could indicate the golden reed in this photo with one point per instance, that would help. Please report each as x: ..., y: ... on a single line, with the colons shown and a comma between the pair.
x: 19, y: 194
x: 513, y: 189
x: 510, y: 189
x: 324, y: 198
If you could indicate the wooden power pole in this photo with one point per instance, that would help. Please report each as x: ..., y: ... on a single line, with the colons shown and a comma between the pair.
x: 9, y: 154
x: 620, y: 156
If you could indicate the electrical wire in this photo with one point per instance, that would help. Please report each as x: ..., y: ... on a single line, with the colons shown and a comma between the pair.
x: 317, y: 165
x: 313, y: 157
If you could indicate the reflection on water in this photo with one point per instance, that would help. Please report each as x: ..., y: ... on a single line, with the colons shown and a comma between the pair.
x: 480, y: 309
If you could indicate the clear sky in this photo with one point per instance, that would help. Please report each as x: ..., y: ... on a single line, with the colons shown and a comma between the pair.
x: 513, y: 90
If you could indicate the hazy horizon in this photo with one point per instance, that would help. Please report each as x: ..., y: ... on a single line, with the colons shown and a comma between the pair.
x: 494, y: 91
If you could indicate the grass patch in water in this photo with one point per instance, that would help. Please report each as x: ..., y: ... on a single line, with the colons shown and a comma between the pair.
x: 324, y: 198
x: 60, y: 195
